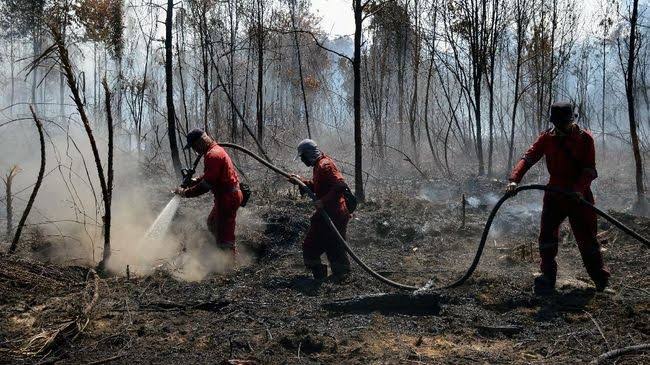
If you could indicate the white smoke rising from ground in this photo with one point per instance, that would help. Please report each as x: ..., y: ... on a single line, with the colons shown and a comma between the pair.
x: 202, y: 257
x: 64, y: 226
x: 517, y: 216
x: 439, y: 193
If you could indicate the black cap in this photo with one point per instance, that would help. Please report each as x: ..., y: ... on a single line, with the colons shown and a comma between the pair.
x: 562, y: 112
x: 194, y: 135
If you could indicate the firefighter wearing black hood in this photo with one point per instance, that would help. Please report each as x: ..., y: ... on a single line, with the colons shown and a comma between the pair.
x: 328, y: 185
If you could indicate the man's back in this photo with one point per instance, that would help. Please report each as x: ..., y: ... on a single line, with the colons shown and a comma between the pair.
x: 219, y: 170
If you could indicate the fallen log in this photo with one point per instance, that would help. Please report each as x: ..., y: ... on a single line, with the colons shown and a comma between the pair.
x: 620, y: 352
x: 404, y: 303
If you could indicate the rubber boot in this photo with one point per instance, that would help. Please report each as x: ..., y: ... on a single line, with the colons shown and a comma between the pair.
x: 601, y: 284
x: 319, y: 272
x: 544, y: 285
x: 340, y: 272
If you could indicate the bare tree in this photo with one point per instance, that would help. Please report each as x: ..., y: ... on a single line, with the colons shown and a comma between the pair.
x: 300, y: 74
x: 629, y: 72
x: 521, y: 18
x: 39, y: 181
x: 473, y: 22
x: 260, y: 34
x: 104, y: 181
x: 169, y: 87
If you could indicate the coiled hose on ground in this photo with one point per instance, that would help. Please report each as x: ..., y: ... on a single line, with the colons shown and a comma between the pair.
x: 481, y: 246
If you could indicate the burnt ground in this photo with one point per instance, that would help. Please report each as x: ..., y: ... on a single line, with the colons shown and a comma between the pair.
x: 271, y: 311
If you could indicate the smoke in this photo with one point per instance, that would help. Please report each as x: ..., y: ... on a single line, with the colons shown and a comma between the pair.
x: 65, y: 225
x: 177, y: 243
x: 200, y: 257
x: 439, y: 192
x: 517, y: 216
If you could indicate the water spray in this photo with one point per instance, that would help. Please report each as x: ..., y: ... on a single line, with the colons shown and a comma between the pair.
x: 159, y: 227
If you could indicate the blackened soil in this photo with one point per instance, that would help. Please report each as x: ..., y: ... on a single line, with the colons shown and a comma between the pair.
x: 272, y: 312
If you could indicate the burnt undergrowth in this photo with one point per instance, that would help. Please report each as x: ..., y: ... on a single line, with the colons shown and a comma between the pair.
x: 270, y: 311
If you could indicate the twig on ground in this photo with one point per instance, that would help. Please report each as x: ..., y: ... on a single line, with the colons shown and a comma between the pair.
x: 620, y: 352
x: 47, y: 341
x: 600, y: 330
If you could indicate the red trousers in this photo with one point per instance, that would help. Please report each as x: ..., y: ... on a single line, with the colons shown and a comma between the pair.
x: 320, y: 239
x: 584, y: 226
x: 221, y: 221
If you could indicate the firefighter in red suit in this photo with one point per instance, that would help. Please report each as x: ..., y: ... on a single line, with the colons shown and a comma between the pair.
x: 328, y: 185
x: 570, y: 160
x: 219, y: 177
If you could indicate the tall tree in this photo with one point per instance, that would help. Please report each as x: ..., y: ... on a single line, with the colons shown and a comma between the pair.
x: 260, y: 33
x: 358, y: 8
x: 300, y: 73
x: 521, y: 18
x: 629, y: 71
x: 472, y: 22
x: 606, y: 24
x: 169, y: 87
x: 26, y: 17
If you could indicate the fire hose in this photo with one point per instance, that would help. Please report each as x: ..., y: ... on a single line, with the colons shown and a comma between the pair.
x: 486, y: 230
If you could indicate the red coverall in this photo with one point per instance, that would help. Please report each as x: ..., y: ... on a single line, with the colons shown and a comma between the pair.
x: 571, y: 163
x: 219, y: 172
x: 328, y: 185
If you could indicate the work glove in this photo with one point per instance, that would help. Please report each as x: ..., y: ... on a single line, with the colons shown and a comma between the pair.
x: 511, y: 188
x: 293, y: 178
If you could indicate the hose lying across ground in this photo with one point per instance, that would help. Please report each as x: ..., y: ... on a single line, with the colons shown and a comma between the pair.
x: 481, y: 246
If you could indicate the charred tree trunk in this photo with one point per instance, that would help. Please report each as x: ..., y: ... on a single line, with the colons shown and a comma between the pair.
x: 602, y: 101
x: 39, y: 180
x: 36, y: 47
x: 108, y: 197
x: 169, y: 79
x: 491, y: 116
x: 299, y: 57
x: 515, y: 103
x: 205, y: 65
x: 434, y: 154
x: 413, y: 111
x: 629, y: 92
x: 231, y: 65
x: 72, y: 85
x: 9, y: 196
x: 260, y: 72
x: 180, y: 53
x: 356, y: 65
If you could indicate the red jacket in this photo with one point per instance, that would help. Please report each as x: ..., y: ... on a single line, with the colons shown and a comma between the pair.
x: 570, y: 159
x: 328, y: 185
x: 218, y: 171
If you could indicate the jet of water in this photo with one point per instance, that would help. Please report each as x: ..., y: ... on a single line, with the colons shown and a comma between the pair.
x: 160, y: 226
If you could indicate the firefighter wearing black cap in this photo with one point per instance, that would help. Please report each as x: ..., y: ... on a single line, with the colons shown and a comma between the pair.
x: 571, y: 163
x: 219, y: 177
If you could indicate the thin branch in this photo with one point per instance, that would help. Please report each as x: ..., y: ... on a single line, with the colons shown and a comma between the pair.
x: 313, y: 36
